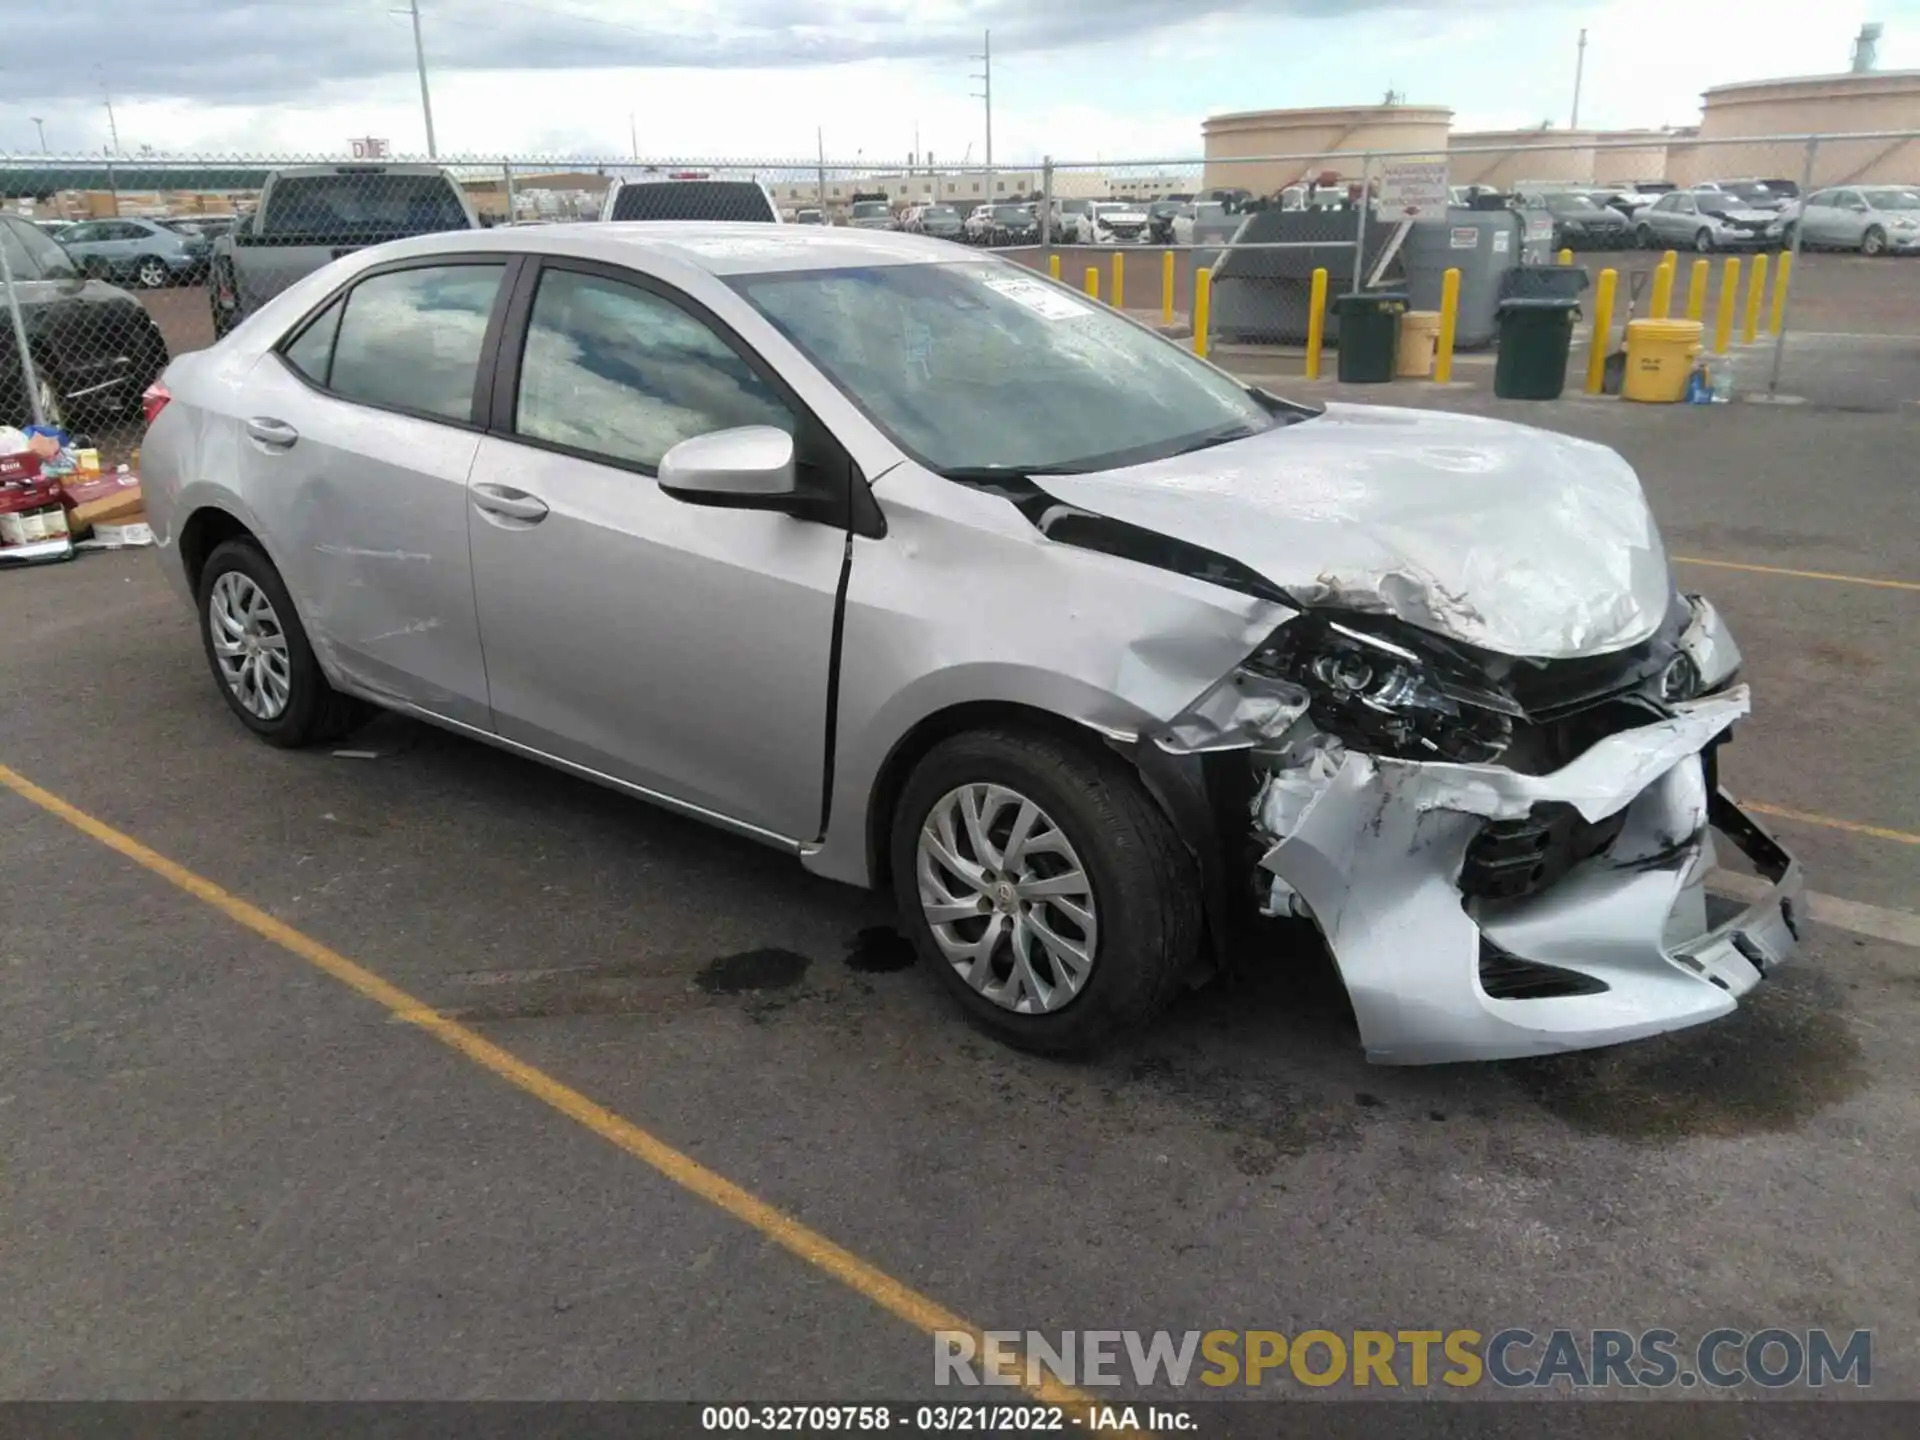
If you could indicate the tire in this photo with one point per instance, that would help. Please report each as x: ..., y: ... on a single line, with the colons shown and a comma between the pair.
x: 1703, y: 241
x: 1874, y: 242
x: 1643, y: 237
x: 1140, y: 890
x: 1786, y: 237
x: 53, y: 408
x: 152, y: 274
x: 312, y: 710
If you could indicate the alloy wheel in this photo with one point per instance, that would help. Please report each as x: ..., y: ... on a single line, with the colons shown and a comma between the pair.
x: 152, y: 274
x: 1008, y: 901
x: 1873, y: 242
x: 250, y: 645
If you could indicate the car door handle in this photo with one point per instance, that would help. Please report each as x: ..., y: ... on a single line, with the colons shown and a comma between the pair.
x: 270, y: 432
x: 514, y: 504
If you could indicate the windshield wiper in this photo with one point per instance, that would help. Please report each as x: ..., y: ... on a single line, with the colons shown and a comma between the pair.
x: 991, y: 473
x: 1225, y: 436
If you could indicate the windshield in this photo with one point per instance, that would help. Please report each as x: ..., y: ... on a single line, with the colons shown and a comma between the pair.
x: 977, y: 365
x: 1010, y: 212
x: 871, y: 210
x: 1570, y: 204
x: 941, y: 212
x: 333, y: 208
x: 1893, y: 199
x: 1749, y: 190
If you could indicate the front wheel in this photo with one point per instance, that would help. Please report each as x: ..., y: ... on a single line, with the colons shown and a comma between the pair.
x: 1874, y: 242
x: 1703, y: 240
x: 1643, y: 237
x: 152, y: 274
x: 1044, y: 887
x: 259, y: 653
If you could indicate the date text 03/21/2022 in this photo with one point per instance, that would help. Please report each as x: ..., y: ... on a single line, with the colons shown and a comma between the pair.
x: 941, y: 1419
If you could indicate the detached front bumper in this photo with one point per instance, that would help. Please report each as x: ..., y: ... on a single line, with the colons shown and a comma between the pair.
x: 1618, y: 942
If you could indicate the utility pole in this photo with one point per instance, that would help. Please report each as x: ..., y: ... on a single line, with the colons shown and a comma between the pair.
x: 40, y: 125
x: 633, y: 136
x: 1579, y: 70
x: 820, y: 186
x: 113, y: 128
x: 985, y: 57
x: 420, y: 59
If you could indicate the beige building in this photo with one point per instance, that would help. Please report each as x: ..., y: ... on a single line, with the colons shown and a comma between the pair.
x: 1506, y: 159
x: 1851, y: 104
x: 945, y: 187
x: 1240, y: 148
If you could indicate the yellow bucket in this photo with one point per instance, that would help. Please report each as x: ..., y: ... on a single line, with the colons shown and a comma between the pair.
x: 1660, y: 357
x: 1419, y: 333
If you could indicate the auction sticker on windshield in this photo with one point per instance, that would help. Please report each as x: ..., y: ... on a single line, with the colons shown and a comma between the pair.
x: 1041, y: 299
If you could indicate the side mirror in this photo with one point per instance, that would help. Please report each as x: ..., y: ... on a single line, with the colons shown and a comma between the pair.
x: 750, y: 467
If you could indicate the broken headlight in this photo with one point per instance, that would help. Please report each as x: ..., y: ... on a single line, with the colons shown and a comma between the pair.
x: 1382, y: 697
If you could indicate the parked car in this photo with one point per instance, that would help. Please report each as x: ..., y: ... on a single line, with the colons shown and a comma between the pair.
x: 1115, y: 222
x: 145, y: 252
x: 1873, y: 219
x: 1160, y: 221
x: 940, y: 221
x: 1066, y: 643
x: 208, y: 227
x: 1749, y: 194
x: 690, y: 199
x: 1581, y: 224
x: 1012, y: 225
x: 871, y: 215
x: 977, y: 228
x: 94, y: 347
x: 311, y: 215
x: 53, y: 227
x: 1071, y: 222
x: 1205, y: 222
x: 1704, y: 221
x: 809, y: 217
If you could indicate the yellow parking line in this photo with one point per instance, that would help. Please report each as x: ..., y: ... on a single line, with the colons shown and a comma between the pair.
x: 891, y: 1295
x: 1807, y: 817
x: 1799, y: 574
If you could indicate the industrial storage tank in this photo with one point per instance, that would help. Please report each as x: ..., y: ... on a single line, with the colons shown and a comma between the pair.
x: 1310, y: 142
x: 1859, y: 103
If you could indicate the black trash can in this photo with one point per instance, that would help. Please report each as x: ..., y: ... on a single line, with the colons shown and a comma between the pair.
x: 1536, y: 337
x: 1369, y: 335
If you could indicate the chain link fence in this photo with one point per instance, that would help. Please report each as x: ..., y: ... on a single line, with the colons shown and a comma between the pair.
x: 112, y: 264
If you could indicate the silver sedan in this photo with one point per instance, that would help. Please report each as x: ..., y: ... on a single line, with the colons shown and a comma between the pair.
x: 944, y: 577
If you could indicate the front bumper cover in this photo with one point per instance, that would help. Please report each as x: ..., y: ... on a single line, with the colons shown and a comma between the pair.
x: 1376, y: 854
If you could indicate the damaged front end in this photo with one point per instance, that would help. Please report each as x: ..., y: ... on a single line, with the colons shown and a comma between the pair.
x: 1505, y: 856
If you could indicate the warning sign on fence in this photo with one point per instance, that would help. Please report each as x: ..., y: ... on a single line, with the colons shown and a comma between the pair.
x: 1414, y: 189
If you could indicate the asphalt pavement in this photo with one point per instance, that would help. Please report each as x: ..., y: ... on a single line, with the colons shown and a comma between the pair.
x: 236, y: 1167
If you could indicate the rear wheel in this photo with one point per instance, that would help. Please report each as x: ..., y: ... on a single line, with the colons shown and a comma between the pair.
x: 259, y: 653
x: 1044, y: 887
x: 1874, y: 242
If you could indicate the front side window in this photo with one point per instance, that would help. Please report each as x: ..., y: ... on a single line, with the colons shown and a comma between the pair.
x: 46, y: 260
x: 18, y: 260
x: 983, y: 366
x: 411, y: 339
x: 622, y: 373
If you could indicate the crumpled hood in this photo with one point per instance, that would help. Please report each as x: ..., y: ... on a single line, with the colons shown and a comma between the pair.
x: 1514, y: 539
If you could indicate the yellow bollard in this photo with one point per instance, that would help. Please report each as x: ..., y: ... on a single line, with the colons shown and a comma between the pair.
x: 1697, y: 288
x: 1119, y: 280
x: 1779, y: 312
x: 1602, y: 330
x: 1756, y: 292
x: 1671, y: 259
x: 1729, y: 299
x: 1202, y: 308
x: 1316, y: 322
x: 1449, y: 320
x: 1565, y: 257
x: 1166, y: 288
x: 1093, y: 281
x: 1662, y: 298
x: 1053, y: 266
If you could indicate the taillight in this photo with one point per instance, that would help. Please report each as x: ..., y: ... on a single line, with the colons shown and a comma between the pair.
x: 154, y: 401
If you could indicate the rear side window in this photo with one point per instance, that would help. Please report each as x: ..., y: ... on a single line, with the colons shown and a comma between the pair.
x: 311, y: 352
x: 692, y: 200
x: 411, y: 339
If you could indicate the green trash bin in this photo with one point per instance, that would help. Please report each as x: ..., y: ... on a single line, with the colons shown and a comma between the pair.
x: 1536, y: 337
x: 1369, y: 335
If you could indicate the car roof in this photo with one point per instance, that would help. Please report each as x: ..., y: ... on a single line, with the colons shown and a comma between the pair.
x: 736, y: 248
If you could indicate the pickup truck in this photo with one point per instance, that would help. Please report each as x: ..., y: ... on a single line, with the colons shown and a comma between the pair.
x: 311, y: 215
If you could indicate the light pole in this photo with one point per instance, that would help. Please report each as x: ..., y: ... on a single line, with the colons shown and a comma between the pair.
x: 40, y: 125
x: 985, y: 57
x: 420, y: 60
x: 1579, y: 70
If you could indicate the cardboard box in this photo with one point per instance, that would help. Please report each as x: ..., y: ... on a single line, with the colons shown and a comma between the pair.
x: 132, y: 530
x: 91, y: 502
x: 23, y: 465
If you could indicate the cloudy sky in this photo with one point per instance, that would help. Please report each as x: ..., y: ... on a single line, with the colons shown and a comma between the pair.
x: 1086, y: 79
